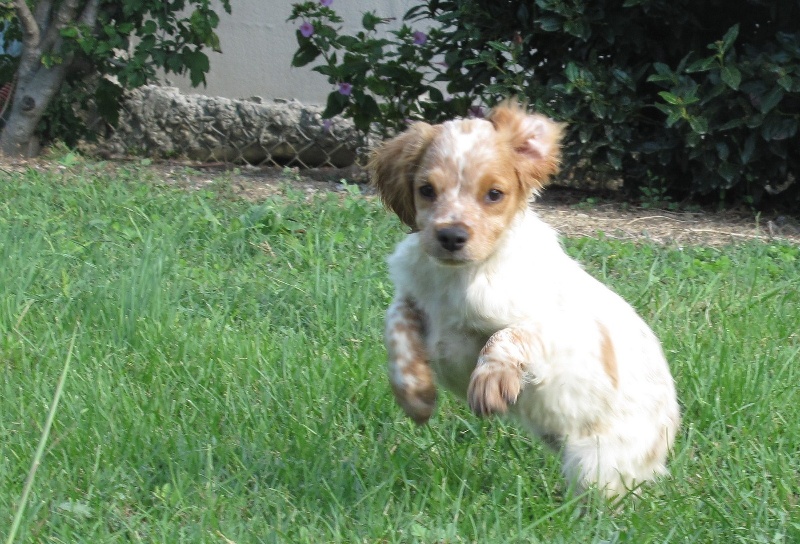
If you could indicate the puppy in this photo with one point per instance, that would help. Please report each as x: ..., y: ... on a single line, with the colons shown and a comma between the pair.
x: 488, y: 304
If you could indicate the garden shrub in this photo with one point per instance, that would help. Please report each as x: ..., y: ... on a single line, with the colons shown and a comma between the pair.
x: 677, y: 98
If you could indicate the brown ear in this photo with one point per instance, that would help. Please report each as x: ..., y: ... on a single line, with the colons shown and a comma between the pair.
x: 534, y: 138
x: 393, y: 166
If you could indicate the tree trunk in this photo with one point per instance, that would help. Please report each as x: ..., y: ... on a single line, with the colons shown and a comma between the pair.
x: 35, y: 90
x: 37, y: 84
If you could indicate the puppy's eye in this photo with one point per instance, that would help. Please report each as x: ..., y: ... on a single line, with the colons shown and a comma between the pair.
x: 427, y: 191
x: 494, y: 195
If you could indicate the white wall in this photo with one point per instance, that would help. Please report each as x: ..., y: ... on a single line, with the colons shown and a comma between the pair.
x: 258, y: 44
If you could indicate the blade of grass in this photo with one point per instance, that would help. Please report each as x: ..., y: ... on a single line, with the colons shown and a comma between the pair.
x: 37, y: 458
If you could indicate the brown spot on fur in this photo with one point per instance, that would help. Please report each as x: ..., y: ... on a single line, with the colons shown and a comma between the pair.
x: 393, y: 167
x: 607, y: 355
x: 535, y: 138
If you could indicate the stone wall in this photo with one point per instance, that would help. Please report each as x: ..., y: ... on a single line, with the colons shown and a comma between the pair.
x: 161, y: 122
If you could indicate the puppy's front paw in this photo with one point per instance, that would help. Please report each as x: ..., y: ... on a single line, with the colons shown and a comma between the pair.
x: 416, y: 393
x: 493, y: 387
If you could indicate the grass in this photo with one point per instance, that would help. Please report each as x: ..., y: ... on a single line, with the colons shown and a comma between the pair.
x: 227, y: 381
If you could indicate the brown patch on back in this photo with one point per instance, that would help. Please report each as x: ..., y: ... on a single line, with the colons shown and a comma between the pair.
x: 607, y: 355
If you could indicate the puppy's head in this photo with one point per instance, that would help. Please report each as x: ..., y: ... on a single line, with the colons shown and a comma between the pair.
x: 462, y: 183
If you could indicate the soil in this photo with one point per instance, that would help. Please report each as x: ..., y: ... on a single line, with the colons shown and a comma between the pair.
x: 572, y: 212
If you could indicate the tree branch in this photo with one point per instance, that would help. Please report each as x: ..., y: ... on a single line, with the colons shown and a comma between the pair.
x: 63, y: 17
x: 89, y: 14
x: 43, y: 9
x: 30, y: 30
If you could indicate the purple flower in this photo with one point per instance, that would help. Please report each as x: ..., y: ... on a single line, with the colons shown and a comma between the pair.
x: 326, y: 3
x: 306, y: 29
x: 326, y: 125
x: 420, y: 38
x: 345, y: 89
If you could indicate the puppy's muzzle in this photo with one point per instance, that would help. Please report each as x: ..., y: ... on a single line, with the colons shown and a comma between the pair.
x: 452, y: 238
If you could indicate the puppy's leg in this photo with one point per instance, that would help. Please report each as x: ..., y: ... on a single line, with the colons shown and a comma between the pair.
x: 410, y: 374
x: 505, y: 364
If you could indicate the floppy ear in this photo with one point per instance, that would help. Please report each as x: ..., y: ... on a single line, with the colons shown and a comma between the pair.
x: 393, y: 167
x: 534, y: 139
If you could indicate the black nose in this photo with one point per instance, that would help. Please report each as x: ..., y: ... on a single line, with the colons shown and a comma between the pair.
x: 452, y: 238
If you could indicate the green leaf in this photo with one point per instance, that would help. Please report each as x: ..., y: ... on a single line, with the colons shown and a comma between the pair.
x: 336, y: 104
x: 785, y: 82
x: 550, y: 24
x: 733, y: 123
x: 723, y: 151
x: 579, y: 28
x: 770, y: 100
x: 369, y: 107
x: 728, y: 171
x: 673, y: 118
x: 701, y: 65
x: 731, y: 76
x: 379, y: 86
x: 730, y: 37
x: 306, y: 53
x: 197, y: 64
x: 149, y: 27
x: 108, y: 98
x: 748, y: 149
x: 572, y: 72
x: 435, y: 95
x: 623, y: 77
x: 614, y: 159
x: 662, y: 69
x: 699, y: 124
x: 779, y: 128
x: 670, y: 98
x: 69, y: 32
x: 498, y: 46
x: 370, y: 21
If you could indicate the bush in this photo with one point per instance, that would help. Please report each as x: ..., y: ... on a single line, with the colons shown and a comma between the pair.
x: 684, y: 98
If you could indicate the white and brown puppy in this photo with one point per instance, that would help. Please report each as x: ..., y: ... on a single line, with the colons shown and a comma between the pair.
x: 489, y: 305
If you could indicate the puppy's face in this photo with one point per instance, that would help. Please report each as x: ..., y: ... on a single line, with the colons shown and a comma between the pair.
x: 466, y: 192
x: 462, y: 183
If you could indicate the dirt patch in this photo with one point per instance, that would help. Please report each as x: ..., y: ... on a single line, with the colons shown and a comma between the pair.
x: 571, y: 212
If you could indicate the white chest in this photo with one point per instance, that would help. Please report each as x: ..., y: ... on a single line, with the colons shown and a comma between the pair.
x: 457, y: 326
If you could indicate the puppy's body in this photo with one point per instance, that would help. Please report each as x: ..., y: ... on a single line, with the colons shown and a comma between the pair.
x: 488, y: 304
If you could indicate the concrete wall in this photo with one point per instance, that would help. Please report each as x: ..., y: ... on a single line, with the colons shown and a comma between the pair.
x: 258, y: 44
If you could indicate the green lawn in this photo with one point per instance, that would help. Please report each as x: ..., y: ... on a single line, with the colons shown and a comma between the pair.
x: 227, y: 381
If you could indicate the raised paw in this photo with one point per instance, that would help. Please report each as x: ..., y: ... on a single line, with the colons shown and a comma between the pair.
x: 492, y: 388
